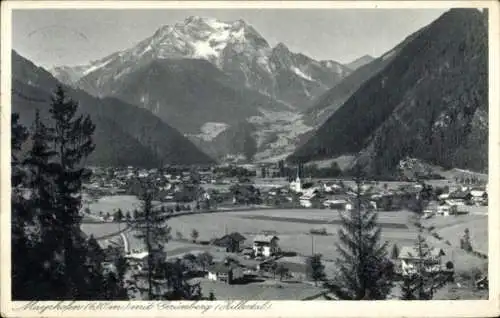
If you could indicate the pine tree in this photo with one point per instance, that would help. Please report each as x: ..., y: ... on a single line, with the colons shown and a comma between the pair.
x: 153, y: 229
x: 363, y: 263
x: 315, y: 268
x: 422, y: 283
x: 395, y: 251
x: 51, y: 253
x: 72, y: 144
x: 19, y: 134
x: 194, y: 235
x: 21, y: 219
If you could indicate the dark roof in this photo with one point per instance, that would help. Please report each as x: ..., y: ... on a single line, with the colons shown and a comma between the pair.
x: 459, y: 195
x: 237, y: 236
x: 265, y: 238
x: 221, y: 267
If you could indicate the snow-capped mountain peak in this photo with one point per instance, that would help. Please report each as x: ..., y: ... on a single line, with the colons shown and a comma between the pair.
x: 234, y: 47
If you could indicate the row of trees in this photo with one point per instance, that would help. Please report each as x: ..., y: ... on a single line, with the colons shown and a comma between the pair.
x: 49, y: 251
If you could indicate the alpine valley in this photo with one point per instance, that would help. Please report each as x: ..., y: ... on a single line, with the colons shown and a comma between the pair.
x: 207, y: 77
x: 233, y: 95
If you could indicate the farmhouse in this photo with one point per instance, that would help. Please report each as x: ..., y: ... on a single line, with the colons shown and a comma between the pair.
x: 431, y: 209
x: 446, y: 209
x: 231, y: 242
x: 139, y: 259
x: 409, y: 260
x: 265, y: 245
x: 459, y: 197
x: 339, y: 202
x: 225, y: 271
x: 479, y: 196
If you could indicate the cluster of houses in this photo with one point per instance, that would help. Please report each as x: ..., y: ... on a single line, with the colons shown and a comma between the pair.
x: 336, y: 195
x: 454, y: 202
x: 230, y: 269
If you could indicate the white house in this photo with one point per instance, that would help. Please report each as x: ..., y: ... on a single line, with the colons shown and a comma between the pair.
x: 338, y: 203
x: 446, y: 209
x: 409, y: 260
x: 330, y: 187
x: 479, y: 196
x: 138, y: 259
x: 265, y: 245
x: 306, y: 203
x: 225, y: 271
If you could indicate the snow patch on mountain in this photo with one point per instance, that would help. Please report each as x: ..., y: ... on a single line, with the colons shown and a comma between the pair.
x: 204, y: 50
x: 96, y: 66
x: 301, y: 74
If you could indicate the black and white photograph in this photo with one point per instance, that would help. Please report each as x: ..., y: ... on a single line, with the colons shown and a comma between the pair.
x: 244, y: 153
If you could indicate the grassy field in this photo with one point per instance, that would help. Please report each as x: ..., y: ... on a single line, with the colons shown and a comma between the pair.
x: 101, y: 229
x: 110, y: 204
x: 452, y: 228
x: 292, y: 227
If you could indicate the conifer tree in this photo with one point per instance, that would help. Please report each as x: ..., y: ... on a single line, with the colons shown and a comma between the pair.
x: 364, y: 271
x: 315, y: 269
x: 54, y: 256
x: 21, y: 218
x: 72, y: 144
x: 153, y: 229
x: 424, y: 280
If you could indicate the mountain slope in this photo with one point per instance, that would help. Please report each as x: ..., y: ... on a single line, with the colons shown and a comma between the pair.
x: 188, y: 93
x: 430, y: 102
x: 235, y: 48
x: 125, y: 134
x: 325, y: 105
x: 357, y: 63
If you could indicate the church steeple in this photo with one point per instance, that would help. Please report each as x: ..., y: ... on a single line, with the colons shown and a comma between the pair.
x: 298, y: 185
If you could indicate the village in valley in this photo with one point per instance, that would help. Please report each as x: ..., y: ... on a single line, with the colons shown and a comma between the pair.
x: 266, y: 232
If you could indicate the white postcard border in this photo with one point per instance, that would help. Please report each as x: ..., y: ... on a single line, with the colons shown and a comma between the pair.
x: 391, y: 308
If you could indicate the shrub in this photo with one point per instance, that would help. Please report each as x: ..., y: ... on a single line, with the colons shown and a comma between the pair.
x: 321, y: 231
x: 437, y: 236
x: 449, y: 265
x: 289, y: 253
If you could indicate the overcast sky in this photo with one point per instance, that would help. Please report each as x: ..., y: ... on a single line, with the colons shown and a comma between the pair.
x: 73, y: 37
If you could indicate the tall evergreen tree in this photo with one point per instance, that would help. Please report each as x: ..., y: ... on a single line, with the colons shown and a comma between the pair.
x: 21, y: 218
x: 422, y: 283
x: 364, y: 272
x: 40, y: 181
x: 315, y: 269
x: 153, y: 229
x: 72, y: 144
x: 50, y: 252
